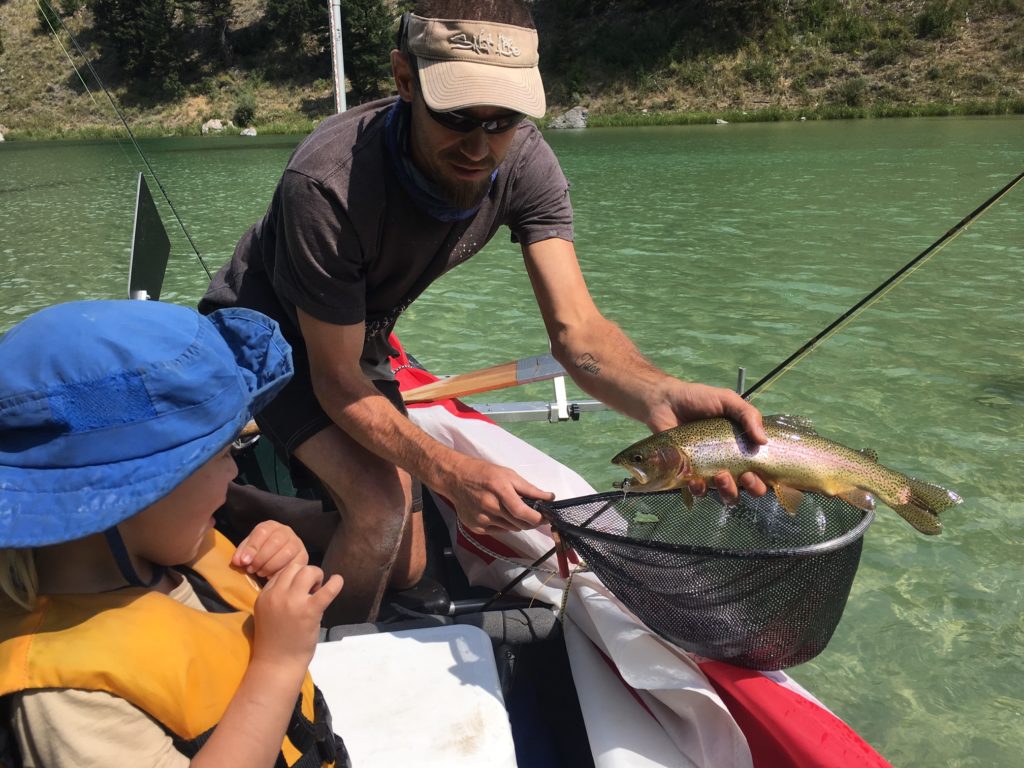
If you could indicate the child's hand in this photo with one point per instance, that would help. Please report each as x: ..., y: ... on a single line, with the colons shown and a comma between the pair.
x: 269, y: 548
x: 287, y: 614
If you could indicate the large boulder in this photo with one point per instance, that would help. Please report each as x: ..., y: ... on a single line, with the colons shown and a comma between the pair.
x: 574, y: 118
x: 215, y: 126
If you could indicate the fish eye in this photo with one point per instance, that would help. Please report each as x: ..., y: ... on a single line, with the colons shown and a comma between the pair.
x: 638, y: 458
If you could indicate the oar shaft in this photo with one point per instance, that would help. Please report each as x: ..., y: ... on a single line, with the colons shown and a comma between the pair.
x: 524, y: 371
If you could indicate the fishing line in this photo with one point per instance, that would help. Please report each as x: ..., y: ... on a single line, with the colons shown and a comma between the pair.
x: 53, y: 14
x: 905, y: 271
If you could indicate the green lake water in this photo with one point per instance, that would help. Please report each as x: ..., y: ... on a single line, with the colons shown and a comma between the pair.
x: 714, y: 247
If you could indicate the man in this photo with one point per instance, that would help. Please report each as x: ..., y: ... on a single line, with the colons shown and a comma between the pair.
x: 373, y: 206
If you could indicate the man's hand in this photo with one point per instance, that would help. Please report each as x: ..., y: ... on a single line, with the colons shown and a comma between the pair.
x: 681, y: 402
x: 269, y: 548
x: 487, y: 498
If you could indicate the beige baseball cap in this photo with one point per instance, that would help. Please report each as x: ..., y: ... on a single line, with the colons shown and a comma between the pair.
x: 465, y: 63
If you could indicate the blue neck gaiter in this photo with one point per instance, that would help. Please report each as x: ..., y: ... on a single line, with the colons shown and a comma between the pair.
x: 423, y: 192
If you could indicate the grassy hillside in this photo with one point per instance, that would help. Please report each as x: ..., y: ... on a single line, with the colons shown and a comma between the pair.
x: 819, y: 58
x: 628, y: 62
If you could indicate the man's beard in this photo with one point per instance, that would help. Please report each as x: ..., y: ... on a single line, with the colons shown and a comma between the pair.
x: 463, y: 194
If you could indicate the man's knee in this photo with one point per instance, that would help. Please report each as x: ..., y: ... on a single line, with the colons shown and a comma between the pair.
x: 370, y: 491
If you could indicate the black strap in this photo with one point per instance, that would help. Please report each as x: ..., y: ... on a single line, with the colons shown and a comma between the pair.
x: 124, y: 562
x: 10, y: 757
x: 207, y: 595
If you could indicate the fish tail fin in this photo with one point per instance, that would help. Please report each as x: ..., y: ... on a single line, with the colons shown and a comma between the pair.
x: 925, y: 503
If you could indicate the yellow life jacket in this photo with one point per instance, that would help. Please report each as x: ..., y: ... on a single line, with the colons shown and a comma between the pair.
x: 179, y: 665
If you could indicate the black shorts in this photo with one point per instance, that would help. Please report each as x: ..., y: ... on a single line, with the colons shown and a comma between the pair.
x: 295, y: 415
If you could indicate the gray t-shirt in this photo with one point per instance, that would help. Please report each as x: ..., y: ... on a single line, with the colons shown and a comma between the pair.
x: 345, y: 242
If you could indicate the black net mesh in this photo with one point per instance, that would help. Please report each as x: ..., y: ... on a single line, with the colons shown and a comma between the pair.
x: 747, y: 584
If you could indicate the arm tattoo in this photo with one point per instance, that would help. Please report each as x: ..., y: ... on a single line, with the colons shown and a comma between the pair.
x: 587, y: 362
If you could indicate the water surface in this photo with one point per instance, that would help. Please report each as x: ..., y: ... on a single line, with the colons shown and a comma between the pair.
x: 714, y: 247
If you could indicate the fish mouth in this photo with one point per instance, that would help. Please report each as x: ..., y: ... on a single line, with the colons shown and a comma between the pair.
x: 636, y: 477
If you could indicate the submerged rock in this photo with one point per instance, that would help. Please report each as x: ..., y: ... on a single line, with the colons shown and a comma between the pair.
x: 574, y: 118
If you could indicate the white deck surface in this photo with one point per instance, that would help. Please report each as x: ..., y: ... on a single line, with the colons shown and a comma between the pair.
x: 424, y: 697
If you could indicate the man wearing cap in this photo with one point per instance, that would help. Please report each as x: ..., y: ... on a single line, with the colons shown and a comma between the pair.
x: 376, y: 204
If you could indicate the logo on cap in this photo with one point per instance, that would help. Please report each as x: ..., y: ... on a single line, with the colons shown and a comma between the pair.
x: 483, y: 43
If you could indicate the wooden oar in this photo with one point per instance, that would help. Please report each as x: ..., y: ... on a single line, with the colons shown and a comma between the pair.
x: 524, y: 371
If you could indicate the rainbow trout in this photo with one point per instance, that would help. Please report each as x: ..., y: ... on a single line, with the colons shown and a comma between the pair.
x: 795, y: 459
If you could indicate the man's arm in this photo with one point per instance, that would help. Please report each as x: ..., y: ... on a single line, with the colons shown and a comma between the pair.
x: 486, y: 496
x: 604, y: 362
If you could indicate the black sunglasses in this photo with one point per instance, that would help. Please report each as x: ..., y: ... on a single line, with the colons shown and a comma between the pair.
x: 456, y: 121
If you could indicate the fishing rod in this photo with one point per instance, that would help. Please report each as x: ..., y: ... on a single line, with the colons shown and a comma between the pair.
x: 832, y: 328
x: 880, y: 291
x: 52, y: 14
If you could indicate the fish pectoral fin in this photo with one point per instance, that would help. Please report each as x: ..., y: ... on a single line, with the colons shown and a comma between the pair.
x: 858, y: 498
x: 687, y: 497
x: 789, y: 498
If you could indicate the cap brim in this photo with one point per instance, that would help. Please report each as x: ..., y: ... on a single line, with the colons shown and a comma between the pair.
x: 453, y: 85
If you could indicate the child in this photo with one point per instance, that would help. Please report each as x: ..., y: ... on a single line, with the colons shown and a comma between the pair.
x: 116, y: 419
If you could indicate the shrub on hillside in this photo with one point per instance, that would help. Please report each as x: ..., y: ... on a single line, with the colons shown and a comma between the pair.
x: 850, y: 93
x: 938, y: 17
x: 245, y: 109
x: 47, y: 17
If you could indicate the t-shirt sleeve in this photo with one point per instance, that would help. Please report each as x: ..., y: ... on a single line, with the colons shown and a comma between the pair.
x: 319, y: 260
x: 71, y: 728
x: 540, y: 208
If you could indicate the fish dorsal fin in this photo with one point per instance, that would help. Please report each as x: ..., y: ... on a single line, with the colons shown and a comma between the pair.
x: 793, y: 423
x: 869, y: 453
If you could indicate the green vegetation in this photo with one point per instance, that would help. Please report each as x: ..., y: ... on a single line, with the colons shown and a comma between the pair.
x: 768, y: 57
x: 173, y: 64
x: 826, y: 112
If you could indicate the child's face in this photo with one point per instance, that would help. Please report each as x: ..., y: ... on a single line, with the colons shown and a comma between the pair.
x: 170, y: 531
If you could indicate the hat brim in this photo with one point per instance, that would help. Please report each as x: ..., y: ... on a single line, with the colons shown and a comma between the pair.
x: 93, y: 499
x: 452, y: 85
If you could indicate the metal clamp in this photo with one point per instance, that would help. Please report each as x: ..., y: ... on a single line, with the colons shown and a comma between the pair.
x: 559, y: 410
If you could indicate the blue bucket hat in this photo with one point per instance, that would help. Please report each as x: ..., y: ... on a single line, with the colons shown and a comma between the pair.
x: 106, y: 406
